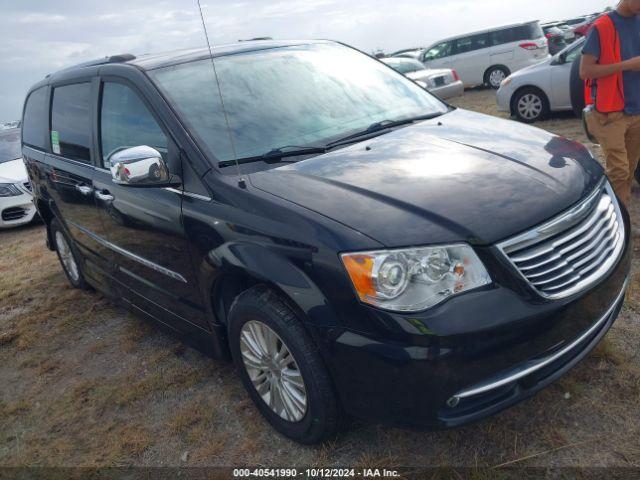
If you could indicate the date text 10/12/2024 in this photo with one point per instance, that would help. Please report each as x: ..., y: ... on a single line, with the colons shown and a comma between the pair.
x: 315, y: 473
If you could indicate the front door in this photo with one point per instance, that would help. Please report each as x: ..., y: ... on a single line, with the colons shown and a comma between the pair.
x: 438, y: 56
x: 144, y: 224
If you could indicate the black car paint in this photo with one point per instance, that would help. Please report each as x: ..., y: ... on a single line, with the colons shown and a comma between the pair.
x: 461, y: 177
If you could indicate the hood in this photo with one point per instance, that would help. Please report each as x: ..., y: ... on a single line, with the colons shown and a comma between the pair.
x: 461, y: 177
x: 531, y: 68
x: 13, y: 171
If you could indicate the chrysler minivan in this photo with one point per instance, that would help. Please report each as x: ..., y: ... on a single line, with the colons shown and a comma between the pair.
x: 355, y: 245
x: 489, y: 56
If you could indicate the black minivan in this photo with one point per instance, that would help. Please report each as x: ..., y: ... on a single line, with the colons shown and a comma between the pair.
x: 355, y: 245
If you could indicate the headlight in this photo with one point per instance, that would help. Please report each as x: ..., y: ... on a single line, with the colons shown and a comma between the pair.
x: 506, y: 81
x: 9, y: 190
x: 414, y: 279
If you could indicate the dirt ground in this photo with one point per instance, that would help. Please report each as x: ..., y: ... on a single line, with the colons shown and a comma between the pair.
x: 84, y: 383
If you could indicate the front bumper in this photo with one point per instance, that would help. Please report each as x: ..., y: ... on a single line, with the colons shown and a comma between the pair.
x: 474, y: 355
x: 15, y: 211
x: 451, y: 90
x: 503, y: 98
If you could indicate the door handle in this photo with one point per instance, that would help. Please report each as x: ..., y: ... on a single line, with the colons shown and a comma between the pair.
x: 104, y: 196
x: 84, y: 189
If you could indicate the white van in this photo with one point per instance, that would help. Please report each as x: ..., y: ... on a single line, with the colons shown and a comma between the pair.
x: 489, y: 56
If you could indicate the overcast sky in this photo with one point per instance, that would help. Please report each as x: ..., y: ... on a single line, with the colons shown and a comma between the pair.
x: 41, y: 36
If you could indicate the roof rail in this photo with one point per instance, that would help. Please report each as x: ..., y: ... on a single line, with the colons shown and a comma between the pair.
x: 124, y: 57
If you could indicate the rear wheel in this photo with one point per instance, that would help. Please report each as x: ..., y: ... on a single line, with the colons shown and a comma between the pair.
x: 530, y: 105
x: 495, y: 76
x: 68, y: 256
x: 280, y: 367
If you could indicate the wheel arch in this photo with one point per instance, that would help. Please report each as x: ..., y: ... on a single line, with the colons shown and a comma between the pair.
x: 239, y: 267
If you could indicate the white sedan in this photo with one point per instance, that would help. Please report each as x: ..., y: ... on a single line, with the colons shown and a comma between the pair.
x: 16, y: 201
x: 443, y: 82
x: 532, y: 93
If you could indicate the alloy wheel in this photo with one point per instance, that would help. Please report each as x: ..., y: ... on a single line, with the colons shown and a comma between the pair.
x: 66, y: 256
x: 496, y: 77
x: 530, y: 106
x: 273, y: 371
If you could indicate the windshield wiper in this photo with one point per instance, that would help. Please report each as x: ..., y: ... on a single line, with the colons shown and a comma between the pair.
x: 275, y: 155
x: 379, y: 127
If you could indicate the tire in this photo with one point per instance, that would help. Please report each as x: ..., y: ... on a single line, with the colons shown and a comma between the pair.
x: 154, y: 172
x: 495, y: 75
x: 68, y: 256
x: 530, y: 105
x: 577, y: 89
x: 319, y: 418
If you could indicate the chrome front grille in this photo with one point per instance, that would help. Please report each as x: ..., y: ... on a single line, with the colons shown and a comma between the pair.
x: 571, y: 252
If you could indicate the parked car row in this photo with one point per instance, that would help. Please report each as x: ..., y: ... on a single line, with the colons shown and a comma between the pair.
x: 485, y: 57
x: 444, y: 82
x: 489, y: 56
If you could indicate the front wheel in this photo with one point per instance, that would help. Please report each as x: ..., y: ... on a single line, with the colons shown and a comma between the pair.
x: 530, y: 105
x: 280, y: 367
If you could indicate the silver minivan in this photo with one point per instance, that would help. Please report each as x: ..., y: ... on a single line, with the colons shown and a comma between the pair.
x: 489, y: 56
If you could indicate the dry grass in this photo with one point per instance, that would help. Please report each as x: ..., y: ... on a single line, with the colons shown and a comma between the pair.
x: 85, y: 383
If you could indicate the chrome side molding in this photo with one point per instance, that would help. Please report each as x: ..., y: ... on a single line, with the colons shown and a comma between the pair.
x: 131, y: 255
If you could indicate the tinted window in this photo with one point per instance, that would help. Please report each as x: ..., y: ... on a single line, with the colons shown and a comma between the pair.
x: 471, y: 43
x: 10, y: 145
x: 35, y: 126
x: 574, y: 52
x: 500, y: 37
x: 439, y: 51
x: 71, y: 122
x: 531, y: 31
x: 125, y: 121
x: 298, y: 95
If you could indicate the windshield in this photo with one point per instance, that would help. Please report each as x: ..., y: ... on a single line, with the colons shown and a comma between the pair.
x: 405, y: 66
x: 300, y: 95
x: 10, y: 145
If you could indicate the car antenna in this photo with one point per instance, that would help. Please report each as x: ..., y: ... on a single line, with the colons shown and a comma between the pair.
x: 241, y: 181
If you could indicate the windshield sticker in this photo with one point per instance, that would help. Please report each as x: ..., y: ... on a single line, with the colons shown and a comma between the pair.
x: 55, y: 142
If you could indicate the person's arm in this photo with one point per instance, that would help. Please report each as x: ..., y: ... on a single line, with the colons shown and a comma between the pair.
x: 590, y: 68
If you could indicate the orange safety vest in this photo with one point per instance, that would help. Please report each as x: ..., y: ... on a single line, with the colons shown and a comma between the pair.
x: 607, y: 93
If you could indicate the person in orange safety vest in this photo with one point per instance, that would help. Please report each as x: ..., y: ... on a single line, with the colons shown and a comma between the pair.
x: 610, y: 66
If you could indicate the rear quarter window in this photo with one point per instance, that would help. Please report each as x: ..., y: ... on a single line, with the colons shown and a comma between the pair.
x: 71, y: 121
x: 36, y: 118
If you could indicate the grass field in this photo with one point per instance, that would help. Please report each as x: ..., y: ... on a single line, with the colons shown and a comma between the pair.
x: 84, y: 383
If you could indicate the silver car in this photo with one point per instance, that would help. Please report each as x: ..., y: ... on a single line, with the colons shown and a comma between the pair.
x: 443, y: 82
x: 532, y: 93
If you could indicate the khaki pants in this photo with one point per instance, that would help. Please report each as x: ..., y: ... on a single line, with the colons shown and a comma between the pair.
x: 619, y: 137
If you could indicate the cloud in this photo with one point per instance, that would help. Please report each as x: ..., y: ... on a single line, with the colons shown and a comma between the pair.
x: 40, y: 36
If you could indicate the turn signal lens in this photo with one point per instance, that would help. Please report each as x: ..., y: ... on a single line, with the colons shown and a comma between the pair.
x: 360, y: 268
x: 414, y: 279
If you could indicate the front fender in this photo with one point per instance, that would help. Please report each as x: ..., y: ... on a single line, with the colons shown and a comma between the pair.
x: 263, y: 265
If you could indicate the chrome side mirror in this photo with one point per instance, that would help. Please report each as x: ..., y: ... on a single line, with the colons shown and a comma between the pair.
x: 138, y: 166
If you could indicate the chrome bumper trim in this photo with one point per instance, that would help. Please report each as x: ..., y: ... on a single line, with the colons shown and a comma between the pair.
x: 537, y: 365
